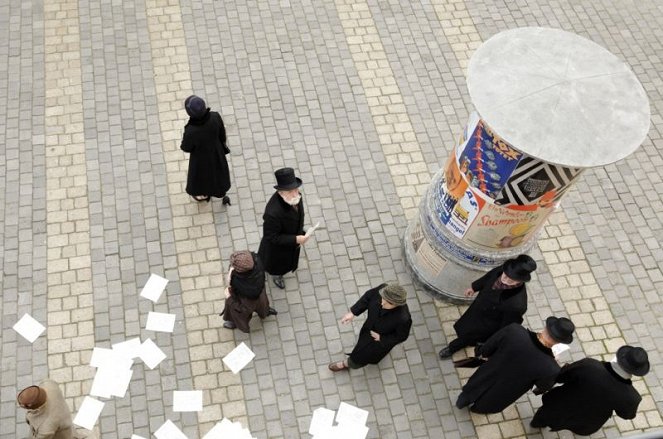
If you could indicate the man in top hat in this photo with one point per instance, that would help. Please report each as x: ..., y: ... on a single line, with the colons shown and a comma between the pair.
x: 388, y: 323
x: 591, y: 390
x: 283, y: 227
x: 48, y: 414
x: 517, y: 360
x: 501, y: 300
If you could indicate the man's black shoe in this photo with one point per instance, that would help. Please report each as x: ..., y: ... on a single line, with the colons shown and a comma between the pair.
x: 445, y: 353
x: 278, y: 281
x: 272, y: 312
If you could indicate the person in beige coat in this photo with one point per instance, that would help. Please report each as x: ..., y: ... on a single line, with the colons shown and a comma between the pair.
x: 48, y: 413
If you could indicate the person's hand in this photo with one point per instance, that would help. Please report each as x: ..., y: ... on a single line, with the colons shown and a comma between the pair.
x: 347, y: 318
x: 375, y: 336
x: 469, y: 292
x: 226, y: 292
x: 301, y: 239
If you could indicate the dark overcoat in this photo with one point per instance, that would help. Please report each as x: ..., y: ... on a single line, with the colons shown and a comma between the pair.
x: 590, y: 392
x: 491, y: 309
x: 279, y: 251
x: 516, y: 362
x: 393, y: 325
x: 205, y: 139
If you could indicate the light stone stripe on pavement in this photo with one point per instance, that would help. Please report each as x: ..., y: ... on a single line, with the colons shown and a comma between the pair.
x: 199, y: 262
x: 392, y: 123
x: 70, y: 328
x: 596, y: 331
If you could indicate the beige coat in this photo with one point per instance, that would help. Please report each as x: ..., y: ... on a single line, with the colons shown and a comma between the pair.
x: 53, y: 419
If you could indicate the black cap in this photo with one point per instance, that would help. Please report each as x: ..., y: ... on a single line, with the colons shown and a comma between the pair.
x: 633, y: 360
x: 520, y: 268
x: 561, y: 329
x: 286, y: 180
x: 195, y: 107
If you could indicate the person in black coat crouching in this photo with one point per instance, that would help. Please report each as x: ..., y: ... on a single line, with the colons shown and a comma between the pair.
x: 388, y: 324
x: 591, y: 390
x: 518, y: 359
x: 501, y: 300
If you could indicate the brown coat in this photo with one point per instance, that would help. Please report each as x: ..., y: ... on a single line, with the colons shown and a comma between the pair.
x: 53, y: 419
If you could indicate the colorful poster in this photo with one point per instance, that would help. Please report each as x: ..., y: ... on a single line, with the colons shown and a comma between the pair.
x: 464, y: 213
x: 487, y: 161
x: 428, y: 259
x: 454, y: 186
x: 472, y: 122
x: 501, y: 227
x: 536, y: 183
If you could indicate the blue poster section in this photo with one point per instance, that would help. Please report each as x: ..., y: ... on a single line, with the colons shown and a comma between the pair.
x: 487, y: 161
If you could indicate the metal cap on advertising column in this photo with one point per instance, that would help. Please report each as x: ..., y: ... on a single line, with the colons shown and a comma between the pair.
x: 548, y: 105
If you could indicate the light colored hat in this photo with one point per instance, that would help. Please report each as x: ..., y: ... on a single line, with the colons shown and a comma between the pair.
x: 394, y: 294
x: 242, y: 261
x: 31, y: 397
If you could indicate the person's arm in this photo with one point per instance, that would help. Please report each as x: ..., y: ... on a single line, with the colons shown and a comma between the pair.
x: 272, y: 232
x: 222, y: 131
x: 401, y: 334
x: 543, y: 384
x: 187, y: 142
x: 630, y: 408
x: 362, y: 304
x: 490, y: 346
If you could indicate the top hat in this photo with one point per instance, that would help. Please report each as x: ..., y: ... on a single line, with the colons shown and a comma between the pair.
x: 286, y: 180
x: 561, y: 329
x: 195, y: 106
x: 520, y: 268
x: 633, y: 360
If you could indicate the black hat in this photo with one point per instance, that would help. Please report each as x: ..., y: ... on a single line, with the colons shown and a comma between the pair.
x: 561, y: 329
x: 286, y: 180
x: 633, y: 360
x: 520, y: 268
x: 195, y: 107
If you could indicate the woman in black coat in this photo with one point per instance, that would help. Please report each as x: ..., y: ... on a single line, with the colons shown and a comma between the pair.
x: 501, y: 300
x: 388, y: 324
x: 283, y: 227
x: 205, y: 140
x: 245, y: 293
x: 591, y: 390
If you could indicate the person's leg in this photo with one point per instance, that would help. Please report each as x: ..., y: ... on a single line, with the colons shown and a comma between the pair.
x: 345, y: 364
x: 454, y: 346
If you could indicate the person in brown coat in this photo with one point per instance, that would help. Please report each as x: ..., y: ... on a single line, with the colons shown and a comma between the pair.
x: 48, y: 413
x: 245, y: 293
x: 205, y: 141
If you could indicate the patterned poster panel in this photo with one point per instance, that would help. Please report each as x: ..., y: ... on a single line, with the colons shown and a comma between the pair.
x: 472, y: 122
x: 454, y: 186
x: 487, y: 161
x: 501, y: 227
x: 536, y: 183
x: 464, y: 213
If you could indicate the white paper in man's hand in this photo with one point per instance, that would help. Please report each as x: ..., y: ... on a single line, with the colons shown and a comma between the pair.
x: 135, y: 436
x: 322, y: 420
x: 169, y: 431
x: 88, y: 413
x: 349, y: 414
x: 29, y: 328
x: 154, y: 287
x: 162, y: 322
x: 310, y: 230
x: 151, y: 354
x: 188, y: 401
x: 559, y: 348
x: 238, y: 357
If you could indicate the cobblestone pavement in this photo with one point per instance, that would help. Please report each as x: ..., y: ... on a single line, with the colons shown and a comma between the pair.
x: 365, y: 99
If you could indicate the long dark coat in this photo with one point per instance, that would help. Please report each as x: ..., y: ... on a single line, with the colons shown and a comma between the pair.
x: 205, y: 140
x: 516, y: 362
x: 247, y: 295
x: 393, y: 325
x: 590, y: 392
x: 279, y: 250
x: 491, y: 309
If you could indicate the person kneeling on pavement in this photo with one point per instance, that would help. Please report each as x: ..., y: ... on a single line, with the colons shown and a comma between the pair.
x: 245, y: 293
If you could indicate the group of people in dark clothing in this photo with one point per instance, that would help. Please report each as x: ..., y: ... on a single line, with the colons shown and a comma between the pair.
x: 511, y: 359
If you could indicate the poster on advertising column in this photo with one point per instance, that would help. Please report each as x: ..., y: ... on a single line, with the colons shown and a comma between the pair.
x: 464, y: 213
x: 500, y: 227
x: 487, y: 161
